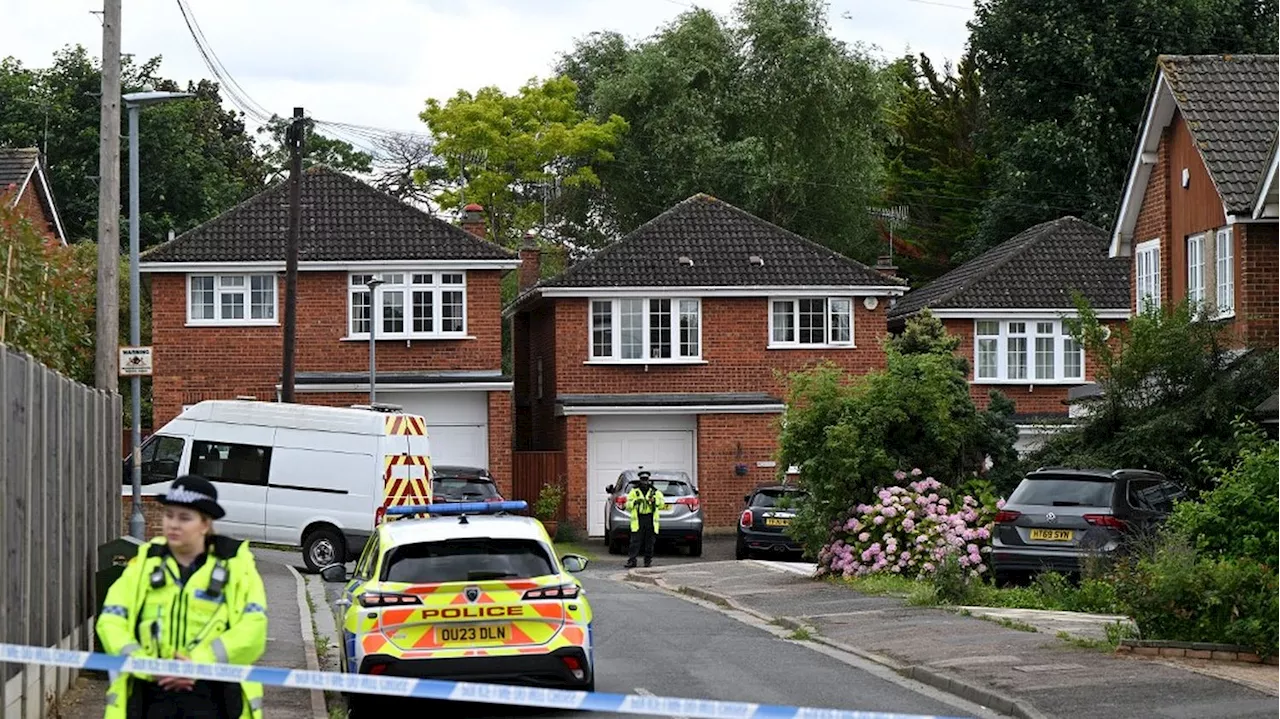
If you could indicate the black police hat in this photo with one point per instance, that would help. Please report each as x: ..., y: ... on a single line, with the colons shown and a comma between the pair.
x: 195, y: 493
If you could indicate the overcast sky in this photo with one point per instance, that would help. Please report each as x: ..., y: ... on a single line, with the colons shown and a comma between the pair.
x: 376, y: 62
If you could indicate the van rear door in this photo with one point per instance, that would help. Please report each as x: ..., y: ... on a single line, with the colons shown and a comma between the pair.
x: 406, y: 462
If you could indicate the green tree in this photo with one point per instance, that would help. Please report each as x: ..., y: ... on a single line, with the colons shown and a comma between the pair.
x: 766, y: 111
x: 1065, y: 83
x: 509, y: 150
x: 318, y: 149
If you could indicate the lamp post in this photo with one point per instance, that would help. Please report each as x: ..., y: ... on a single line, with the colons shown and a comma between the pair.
x: 134, y: 102
x: 372, y: 284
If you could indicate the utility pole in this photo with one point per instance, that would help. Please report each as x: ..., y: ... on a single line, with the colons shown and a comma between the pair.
x: 294, y: 137
x: 106, y: 369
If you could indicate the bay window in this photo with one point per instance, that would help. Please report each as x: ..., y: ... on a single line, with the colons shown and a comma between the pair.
x: 646, y: 329
x: 231, y: 299
x: 1025, y: 351
x: 409, y: 305
x: 811, y: 322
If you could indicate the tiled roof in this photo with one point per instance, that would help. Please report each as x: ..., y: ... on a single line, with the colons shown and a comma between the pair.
x: 1037, y: 269
x: 343, y: 219
x: 721, y: 240
x: 16, y: 164
x: 1229, y: 103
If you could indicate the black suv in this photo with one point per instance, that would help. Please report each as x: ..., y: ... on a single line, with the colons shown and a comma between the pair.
x: 1058, y: 516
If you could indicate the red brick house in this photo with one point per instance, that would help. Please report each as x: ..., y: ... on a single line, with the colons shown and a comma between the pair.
x: 1198, y: 219
x: 1008, y: 308
x: 24, y: 184
x: 217, y: 303
x: 662, y: 350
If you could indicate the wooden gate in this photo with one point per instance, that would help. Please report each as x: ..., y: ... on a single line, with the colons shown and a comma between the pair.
x: 531, y: 470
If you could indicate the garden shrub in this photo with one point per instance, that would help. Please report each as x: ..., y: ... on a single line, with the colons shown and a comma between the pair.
x: 1237, y: 518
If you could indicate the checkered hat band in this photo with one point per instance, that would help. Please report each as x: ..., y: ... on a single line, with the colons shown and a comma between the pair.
x: 182, y: 495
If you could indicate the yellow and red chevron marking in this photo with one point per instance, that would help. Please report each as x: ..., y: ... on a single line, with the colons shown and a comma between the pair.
x: 406, y: 491
x: 406, y: 425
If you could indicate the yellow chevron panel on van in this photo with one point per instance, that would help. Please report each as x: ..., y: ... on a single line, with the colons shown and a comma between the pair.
x: 410, y: 425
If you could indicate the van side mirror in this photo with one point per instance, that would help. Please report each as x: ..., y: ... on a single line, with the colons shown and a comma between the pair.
x: 574, y: 562
x: 334, y: 573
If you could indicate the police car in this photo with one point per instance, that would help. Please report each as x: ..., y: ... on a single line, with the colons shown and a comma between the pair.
x: 466, y: 593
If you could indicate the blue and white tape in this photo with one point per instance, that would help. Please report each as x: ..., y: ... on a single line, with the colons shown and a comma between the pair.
x: 435, y: 688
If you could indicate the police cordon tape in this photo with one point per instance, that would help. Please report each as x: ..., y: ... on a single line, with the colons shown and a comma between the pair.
x: 435, y: 688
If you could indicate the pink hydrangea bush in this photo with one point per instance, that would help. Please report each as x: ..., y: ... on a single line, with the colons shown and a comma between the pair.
x: 909, y: 531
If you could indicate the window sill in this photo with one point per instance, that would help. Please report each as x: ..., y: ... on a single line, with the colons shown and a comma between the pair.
x: 1225, y: 316
x: 624, y: 363
x: 233, y: 323
x: 1048, y: 382
x: 408, y: 338
x: 811, y: 347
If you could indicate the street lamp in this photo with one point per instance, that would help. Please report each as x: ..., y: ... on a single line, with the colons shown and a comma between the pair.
x: 372, y: 284
x: 134, y: 102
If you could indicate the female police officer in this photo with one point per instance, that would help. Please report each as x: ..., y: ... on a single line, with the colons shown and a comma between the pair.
x: 189, y: 595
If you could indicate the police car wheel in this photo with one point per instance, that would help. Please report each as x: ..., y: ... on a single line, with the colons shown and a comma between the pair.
x: 322, y: 548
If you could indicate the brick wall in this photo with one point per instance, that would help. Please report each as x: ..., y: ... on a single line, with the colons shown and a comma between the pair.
x: 199, y: 363
x: 500, y: 421
x: 1257, y: 280
x: 1153, y: 221
x: 726, y: 441
x: 30, y: 207
x: 735, y: 336
x: 573, y: 431
x: 152, y: 511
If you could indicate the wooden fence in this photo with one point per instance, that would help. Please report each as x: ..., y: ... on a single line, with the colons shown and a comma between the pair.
x: 60, y: 500
x: 531, y: 470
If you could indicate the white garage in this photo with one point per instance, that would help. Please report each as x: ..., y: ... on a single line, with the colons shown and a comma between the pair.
x: 457, y: 423
x: 619, y: 442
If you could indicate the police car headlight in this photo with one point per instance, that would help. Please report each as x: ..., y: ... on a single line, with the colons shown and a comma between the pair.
x: 563, y: 591
x: 387, y: 599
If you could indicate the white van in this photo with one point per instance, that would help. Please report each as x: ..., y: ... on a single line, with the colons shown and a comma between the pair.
x: 302, y: 475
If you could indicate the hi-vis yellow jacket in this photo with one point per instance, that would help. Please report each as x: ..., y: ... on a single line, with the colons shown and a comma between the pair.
x: 639, y: 503
x: 198, y: 619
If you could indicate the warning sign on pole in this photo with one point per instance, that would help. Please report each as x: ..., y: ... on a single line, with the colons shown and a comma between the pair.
x: 135, y: 361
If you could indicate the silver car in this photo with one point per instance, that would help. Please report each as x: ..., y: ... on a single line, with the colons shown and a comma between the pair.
x: 679, y: 524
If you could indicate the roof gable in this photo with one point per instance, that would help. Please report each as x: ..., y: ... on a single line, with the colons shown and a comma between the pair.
x: 20, y: 168
x: 343, y: 220
x: 706, y: 242
x: 1229, y: 105
x: 1039, y: 268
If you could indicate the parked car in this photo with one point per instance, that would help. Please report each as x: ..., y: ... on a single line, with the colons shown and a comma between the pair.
x: 1056, y: 517
x: 452, y: 483
x: 679, y: 524
x: 762, y: 527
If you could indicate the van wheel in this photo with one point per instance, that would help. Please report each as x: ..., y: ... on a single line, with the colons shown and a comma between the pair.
x: 321, y: 548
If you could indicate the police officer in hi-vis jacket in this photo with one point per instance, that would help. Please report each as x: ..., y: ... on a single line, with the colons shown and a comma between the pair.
x: 644, y: 502
x: 188, y: 595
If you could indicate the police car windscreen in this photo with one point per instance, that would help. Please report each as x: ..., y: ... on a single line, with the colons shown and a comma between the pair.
x: 467, y: 560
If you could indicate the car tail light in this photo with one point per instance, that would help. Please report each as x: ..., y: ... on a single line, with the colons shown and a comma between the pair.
x: 691, y: 502
x: 377, y: 668
x: 387, y: 599
x: 575, y: 666
x: 1005, y: 516
x: 1104, y: 520
x: 563, y: 591
x: 747, y: 519
x: 620, y: 501
x: 379, y: 515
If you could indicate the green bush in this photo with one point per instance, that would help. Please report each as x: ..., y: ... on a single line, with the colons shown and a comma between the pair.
x: 1237, y: 518
x: 1176, y: 594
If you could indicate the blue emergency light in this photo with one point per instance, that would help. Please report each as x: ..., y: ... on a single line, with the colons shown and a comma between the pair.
x: 448, y: 508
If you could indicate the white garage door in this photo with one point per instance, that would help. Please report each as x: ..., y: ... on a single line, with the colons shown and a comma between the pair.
x: 618, y: 443
x: 457, y: 424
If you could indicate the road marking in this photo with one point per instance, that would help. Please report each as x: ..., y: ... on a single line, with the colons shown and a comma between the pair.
x: 645, y: 692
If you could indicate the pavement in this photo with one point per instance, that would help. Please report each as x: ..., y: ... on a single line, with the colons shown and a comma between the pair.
x: 1021, y: 669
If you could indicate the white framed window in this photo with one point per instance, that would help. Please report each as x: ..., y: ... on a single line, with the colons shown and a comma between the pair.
x: 1032, y: 351
x: 1147, y: 274
x: 645, y: 329
x: 1224, y: 264
x: 1195, y: 273
x: 231, y: 299
x: 811, y: 322
x: 410, y: 305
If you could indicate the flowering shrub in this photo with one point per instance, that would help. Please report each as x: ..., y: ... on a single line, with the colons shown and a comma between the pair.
x: 909, y: 531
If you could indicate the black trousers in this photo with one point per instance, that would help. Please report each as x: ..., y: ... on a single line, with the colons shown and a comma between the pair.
x: 645, y: 535
x: 206, y: 700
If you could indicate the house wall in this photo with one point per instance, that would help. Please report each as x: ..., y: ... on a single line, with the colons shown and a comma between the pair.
x: 1258, y: 275
x: 735, y: 336
x: 30, y: 207
x: 198, y: 363
x: 1028, y: 398
x: 535, y: 340
x: 725, y: 442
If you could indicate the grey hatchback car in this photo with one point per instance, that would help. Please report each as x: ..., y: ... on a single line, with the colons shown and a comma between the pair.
x: 1056, y: 517
x: 679, y: 524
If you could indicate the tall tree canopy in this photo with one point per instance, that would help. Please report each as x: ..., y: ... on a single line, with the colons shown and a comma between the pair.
x: 766, y: 111
x: 1066, y: 81
x: 195, y: 158
x: 319, y: 149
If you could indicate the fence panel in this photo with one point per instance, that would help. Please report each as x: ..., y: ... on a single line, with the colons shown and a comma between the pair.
x: 531, y: 470
x: 59, y: 495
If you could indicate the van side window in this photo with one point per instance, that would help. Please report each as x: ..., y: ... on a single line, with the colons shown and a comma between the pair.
x: 161, y: 456
x: 236, y: 463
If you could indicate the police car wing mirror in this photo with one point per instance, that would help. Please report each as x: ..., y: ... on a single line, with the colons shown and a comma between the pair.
x: 609, y: 489
x: 334, y: 573
x: 574, y: 562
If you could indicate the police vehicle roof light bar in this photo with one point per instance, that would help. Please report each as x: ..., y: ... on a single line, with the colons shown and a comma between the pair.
x: 448, y: 508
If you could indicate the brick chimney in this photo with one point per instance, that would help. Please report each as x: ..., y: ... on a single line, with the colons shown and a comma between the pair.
x: 530, y: 263
x: 885, y: 266
x: 473, y: 220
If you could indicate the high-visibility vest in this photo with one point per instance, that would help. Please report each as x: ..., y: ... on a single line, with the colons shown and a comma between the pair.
x: 639, y: 503
x: 198, y: 619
